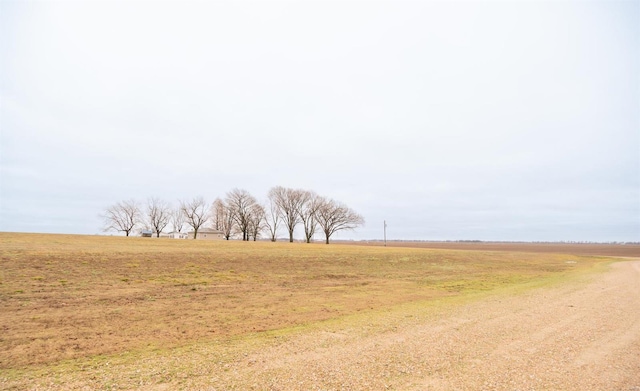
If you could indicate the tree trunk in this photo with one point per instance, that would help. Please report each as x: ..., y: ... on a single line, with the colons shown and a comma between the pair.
x: 195, y: 233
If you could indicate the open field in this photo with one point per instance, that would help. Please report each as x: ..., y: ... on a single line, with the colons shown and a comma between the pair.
x: 603, y: 249
x: 84, y: 312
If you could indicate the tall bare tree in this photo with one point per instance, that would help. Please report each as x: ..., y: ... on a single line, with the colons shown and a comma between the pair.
x: 289, y: 202
x: 158, y: 214
x: 177, y: 219
x: 241, y: 203
x: 124, y: 216
x: 256, y: 220
x: 308, y: 209
x: 195, y: 213
x: 272, y: 218
x: 229, y: 222
x: 223, y: 217
x: 217, y: 214
x: 333, y: 216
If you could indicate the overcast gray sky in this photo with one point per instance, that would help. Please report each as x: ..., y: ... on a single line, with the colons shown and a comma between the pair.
x: 451, y: 120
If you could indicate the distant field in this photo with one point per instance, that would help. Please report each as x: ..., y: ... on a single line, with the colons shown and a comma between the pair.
x: 612, y: 250
x: 67, y: 297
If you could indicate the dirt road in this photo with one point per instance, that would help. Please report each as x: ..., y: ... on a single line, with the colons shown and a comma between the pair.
x: 580, y: 336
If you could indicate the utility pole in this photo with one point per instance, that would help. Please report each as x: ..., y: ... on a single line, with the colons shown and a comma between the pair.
x: 385, y: 233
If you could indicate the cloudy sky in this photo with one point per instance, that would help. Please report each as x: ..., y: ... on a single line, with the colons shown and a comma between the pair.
x: 449, y: 120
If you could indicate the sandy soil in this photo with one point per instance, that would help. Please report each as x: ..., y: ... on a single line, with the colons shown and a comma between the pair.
x: 580, y: 336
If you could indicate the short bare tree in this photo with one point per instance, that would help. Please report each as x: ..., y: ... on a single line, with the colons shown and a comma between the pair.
x: 289, y: 202
x: 124, y: 216
x: 195, y: 213
x: 158, y: 214
x: 333, y: 216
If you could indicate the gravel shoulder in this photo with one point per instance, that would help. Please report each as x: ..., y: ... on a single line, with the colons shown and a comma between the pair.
x: 578, y: 336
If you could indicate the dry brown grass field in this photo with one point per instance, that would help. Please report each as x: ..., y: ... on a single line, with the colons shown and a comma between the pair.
x: 72, y: 305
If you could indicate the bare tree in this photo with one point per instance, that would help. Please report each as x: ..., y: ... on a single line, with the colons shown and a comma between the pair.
x: 310, y: 204
x: 240, y: 202
x: 217, y: 214
x: 333, y: 216
x: 195, y: 213
x: 123, y: 217
x: 159, y: 214
x: 289, y: 202
x: 229, y: 222
x: 177, y: 219
x: 223, y: 217
x: 272, y: 218
x: 256, y: 220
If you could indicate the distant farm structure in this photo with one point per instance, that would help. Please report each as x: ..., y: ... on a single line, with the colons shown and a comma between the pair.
x: 207, y: 234
x: 176, y: 235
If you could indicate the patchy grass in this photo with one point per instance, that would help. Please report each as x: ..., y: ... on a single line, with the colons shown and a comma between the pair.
x: 74, y: 300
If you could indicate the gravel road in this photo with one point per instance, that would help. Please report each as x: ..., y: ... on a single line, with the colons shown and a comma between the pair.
x: 578, y: 336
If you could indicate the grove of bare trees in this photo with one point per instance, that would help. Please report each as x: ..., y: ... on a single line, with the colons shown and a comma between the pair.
x: 239, y: 215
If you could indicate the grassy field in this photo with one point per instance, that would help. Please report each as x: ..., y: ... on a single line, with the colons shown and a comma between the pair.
x: 67, y: 299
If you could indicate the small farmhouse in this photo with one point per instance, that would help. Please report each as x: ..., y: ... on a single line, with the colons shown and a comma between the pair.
x: 146, y: 233
x: 177, y: 235
x: 207, y: 234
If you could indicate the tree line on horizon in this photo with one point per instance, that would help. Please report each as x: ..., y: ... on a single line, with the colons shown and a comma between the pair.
x: 239, y: 213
